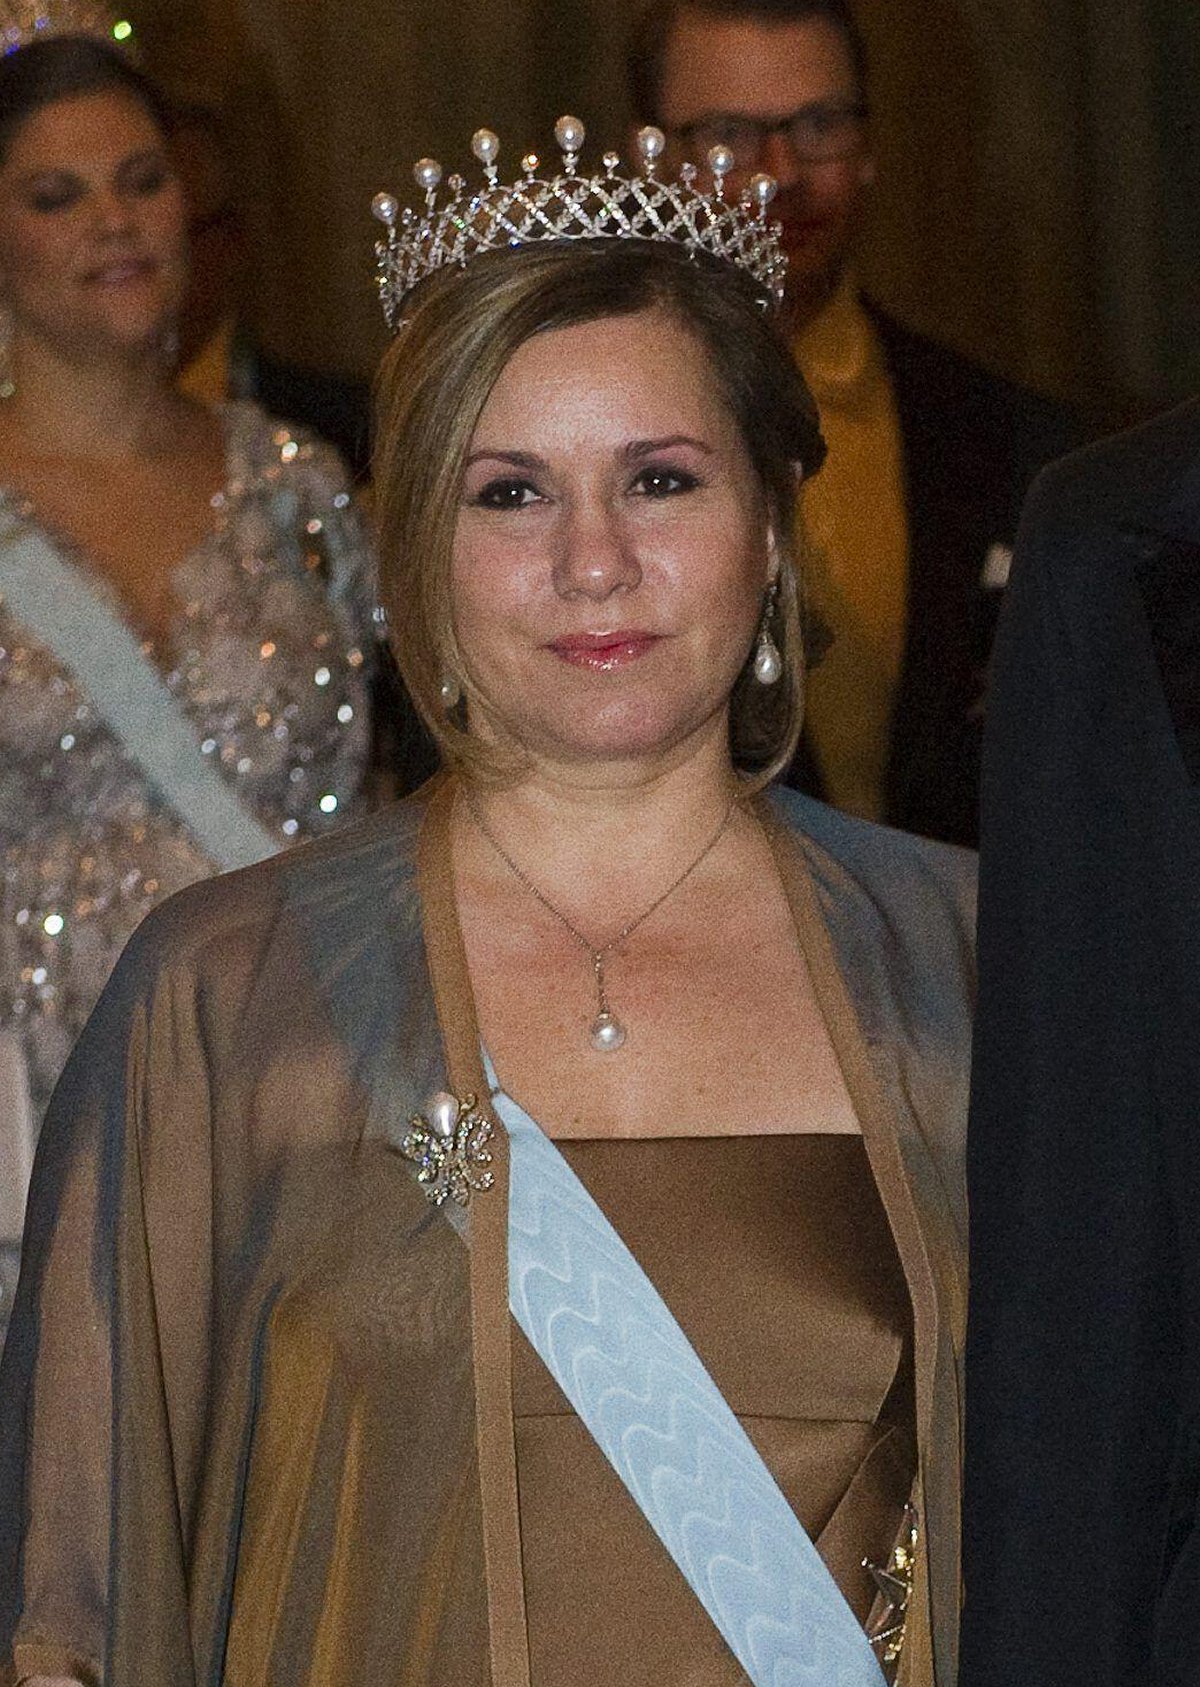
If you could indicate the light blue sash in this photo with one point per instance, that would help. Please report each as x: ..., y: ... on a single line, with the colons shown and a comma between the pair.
x: 48, y: 595
x: 631, y: 1374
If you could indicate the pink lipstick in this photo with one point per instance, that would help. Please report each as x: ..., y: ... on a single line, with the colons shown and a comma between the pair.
x: 603, y: 653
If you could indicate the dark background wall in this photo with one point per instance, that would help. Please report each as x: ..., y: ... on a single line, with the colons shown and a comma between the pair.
x: 1039, y: 193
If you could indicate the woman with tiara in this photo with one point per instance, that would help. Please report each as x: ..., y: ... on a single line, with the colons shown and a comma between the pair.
x: 518, y: 1240
x: 185, y: 594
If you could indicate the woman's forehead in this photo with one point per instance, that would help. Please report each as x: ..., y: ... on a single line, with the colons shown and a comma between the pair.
x: 88, y: 132
x: 646, y: 372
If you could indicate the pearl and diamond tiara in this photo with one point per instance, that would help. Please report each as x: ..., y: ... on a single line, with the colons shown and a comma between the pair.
x: 22, y: 22
x: 571, y: 205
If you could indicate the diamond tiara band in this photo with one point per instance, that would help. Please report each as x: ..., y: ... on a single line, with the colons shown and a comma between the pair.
x: 573, y: 206
x: 22, y: 22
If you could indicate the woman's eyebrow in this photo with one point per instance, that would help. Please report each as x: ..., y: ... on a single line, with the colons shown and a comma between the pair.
x: 647, y: 447
x: 144, y: 155
x: 518, y: 459
x: 633, y: 451
x: 41, y: 173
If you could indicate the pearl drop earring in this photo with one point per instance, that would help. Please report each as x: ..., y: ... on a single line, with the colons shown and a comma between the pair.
x: 768, y: 663
x: 450, y: 691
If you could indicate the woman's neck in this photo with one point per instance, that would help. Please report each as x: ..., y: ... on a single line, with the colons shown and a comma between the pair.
x: 617, y: 831
x: 98, y: 410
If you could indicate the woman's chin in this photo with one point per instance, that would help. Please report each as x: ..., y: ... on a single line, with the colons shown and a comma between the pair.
x: 645, y: 742
x: 128, y: 335
x: 646, y: 723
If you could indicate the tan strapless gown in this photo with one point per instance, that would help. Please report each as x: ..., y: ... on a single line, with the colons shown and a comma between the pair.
x: 775, y: 1256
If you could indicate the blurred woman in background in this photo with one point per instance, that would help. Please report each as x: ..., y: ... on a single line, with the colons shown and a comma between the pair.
x: 185, y: 593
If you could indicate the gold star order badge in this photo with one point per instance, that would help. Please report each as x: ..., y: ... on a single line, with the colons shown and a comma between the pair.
x: 894, y: 1585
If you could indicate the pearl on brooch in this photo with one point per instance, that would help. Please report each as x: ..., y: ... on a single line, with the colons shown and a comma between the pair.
x: 443, y: 1115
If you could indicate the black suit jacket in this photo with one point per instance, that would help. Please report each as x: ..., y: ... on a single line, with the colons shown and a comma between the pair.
x: 972, y: 444
x: 1082, y: 1539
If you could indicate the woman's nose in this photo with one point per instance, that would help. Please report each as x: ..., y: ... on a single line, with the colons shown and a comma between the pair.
x: 112, y: 213
x: 596, y: 555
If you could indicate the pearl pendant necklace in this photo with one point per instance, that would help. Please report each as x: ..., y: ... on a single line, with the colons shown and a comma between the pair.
x: 606, y: 1033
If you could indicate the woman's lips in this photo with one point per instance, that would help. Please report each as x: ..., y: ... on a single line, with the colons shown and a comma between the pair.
x: 120, y: 272
x: 603, y: 652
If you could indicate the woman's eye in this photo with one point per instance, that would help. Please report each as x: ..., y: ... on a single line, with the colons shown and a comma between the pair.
x: 664, y: 482
x: 50, y: 199
x: 149, y: 181
x: 506, y: 495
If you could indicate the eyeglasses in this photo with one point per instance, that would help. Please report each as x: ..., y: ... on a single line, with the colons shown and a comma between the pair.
x: 816, y: 134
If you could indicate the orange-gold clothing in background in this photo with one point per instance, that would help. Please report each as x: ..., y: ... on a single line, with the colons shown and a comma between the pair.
x: 856, y: 521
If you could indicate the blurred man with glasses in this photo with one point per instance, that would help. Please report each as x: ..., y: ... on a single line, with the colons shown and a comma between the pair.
x: 913, y: 517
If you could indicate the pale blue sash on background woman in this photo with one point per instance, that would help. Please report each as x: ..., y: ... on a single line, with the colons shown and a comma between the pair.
x: 614, y: 1348
x: 54, y: 600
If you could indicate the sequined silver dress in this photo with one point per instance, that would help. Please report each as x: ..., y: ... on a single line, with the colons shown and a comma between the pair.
x: 269, y: 660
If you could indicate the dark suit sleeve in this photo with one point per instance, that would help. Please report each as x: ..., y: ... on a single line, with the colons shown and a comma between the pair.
x: 1073, y: 1350
x: 973, y: 444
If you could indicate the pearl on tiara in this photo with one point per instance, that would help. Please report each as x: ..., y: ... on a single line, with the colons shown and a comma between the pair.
x: 763, y: 189
x: 651, y: 143
x: 570, y: 205
x: 485, y: 145
x: 720, y: 162
x: 570, y: 134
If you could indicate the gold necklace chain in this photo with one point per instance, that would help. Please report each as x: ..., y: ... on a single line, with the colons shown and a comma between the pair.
x: 606, y: 1032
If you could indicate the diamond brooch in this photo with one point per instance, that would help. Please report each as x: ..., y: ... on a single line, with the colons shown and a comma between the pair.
x: 450, y: 1149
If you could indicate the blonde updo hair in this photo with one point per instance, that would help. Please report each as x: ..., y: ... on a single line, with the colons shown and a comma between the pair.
x: 460, y: 331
